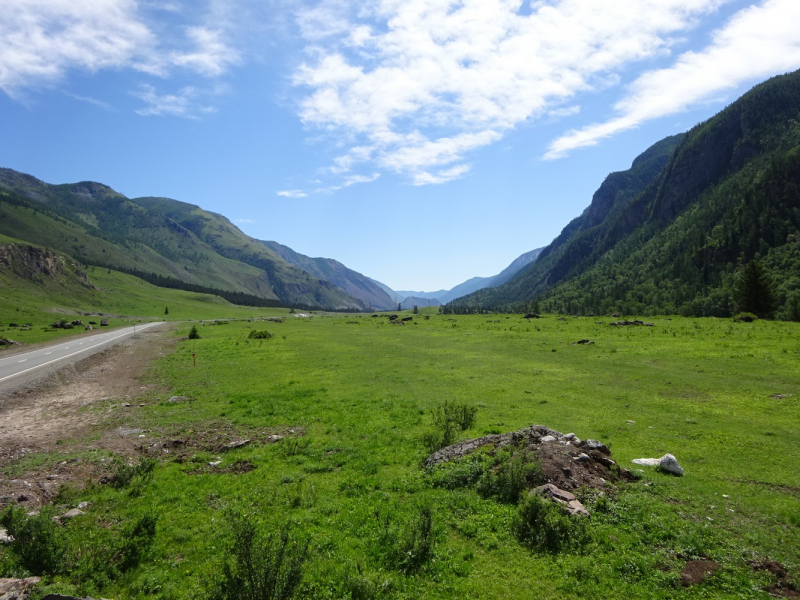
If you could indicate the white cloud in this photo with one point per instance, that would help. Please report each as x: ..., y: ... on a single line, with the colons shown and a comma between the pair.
x: 245, y: 221
x: 414, y: 86
x: 42, y: 41
x: 757, y: 42
x: 186, y: 103
x: 292, y: 193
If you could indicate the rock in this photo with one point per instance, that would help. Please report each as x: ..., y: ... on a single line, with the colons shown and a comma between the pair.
x: 572, y: 504
x: 215, y: 463
x: 88, y: 328
x: 16, y: 589
x: 127, y: 405
x: 646, y: 462
x: 22, y: 498
x: 630, y: 422
x: 568, y: 436
x: 71, y: 514
x: 595, y: 445
x: 238, y: 444
x: 83, y: 505
x: 581, y: 342
x: 174, y: 399
x: 274, y: 438
x: 669, y: 464
x: 548, y: 438
x: 582, y: 457
x: 4, y: 537
x: 696, y: 571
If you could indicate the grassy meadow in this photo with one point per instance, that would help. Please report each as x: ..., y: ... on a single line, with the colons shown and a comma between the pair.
x: 353, y: 397
x: 127, y: 298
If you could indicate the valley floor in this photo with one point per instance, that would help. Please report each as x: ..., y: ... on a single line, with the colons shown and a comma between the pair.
x: 319, y: 430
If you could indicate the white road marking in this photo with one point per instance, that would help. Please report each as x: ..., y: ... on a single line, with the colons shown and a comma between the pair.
x: 67, y: 356
x: 23, y: 360
x: 47, y: 353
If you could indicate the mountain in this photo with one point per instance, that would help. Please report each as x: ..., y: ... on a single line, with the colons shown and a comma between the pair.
x: 474, y: 284
x: 426, y: 295
x: 412, y: 301
x: 395, y: 296
x: 518, y: 264
x: 671, y: 233
x: 355, y: 284
x: 164, y: 241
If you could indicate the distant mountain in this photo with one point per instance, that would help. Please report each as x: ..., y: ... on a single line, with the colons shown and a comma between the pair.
x: 428, y: 295
x: 395, y: 296
x: 519, y: 263
x: 412, y: 301
x: 671, y: 233
x: 164, y: 241
x: 353, y: 283
x: 474, y: 284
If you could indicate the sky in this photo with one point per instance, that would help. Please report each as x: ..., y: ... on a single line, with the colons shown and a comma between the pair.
x: 419, y: 142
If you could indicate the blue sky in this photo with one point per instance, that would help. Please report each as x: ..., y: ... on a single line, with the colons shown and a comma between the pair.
x: 418, y: 142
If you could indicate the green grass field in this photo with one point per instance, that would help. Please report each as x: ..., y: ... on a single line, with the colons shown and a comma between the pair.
x: 40, y: 303
x: 358, y: 394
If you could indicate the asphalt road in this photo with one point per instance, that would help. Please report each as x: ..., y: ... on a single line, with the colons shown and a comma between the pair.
x: 76, y: 348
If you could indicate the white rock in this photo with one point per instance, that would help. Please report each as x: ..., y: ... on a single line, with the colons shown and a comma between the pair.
x: 670, y: 464
x: 548, y: 438
x: 568, y: 436
x: 215, y: 463
x: 4, y: 537
x: 647, y: 462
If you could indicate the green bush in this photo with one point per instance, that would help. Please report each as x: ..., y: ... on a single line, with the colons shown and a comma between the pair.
x: 38, y: 544
x: 263, y: 334
x: 544, y: 526
x: 459, y: 473
x: 126, y: 473
x: 136, y: 541
x: 261, y: 567
x: 510, y: 476
x: 447, y: 419
x: 409, y: 548
x: 193, y: 333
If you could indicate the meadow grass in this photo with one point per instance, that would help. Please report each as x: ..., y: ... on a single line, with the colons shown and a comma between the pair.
x: 129, y: 299
x: 359, y: 392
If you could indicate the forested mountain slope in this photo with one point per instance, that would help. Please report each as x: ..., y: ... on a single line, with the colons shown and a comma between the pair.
x: 154, y: 238
x: 669, y: 234
x: 354, y: 283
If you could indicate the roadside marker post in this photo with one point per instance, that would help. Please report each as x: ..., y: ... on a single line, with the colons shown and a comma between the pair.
x: 194, y: 362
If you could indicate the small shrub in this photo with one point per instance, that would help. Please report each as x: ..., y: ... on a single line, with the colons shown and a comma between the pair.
x: 459, y: 473
x: 447, y: 419
x: 193, y: 333
x: 510, y: 476
x: 745, y: 317
x: 408, y: 549
x: 544, y: 526
x: 38, y: 542
x: 136, y: 541
x: 126, y: 473
x: 259, y: 335
x: 261, y: 567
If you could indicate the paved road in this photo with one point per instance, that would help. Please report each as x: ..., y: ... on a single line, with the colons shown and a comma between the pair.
x: 78, y: 347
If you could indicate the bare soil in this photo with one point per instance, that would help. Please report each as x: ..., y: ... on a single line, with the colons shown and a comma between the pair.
x: 52, y: 415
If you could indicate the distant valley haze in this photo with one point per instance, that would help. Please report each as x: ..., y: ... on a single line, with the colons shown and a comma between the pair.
x: 420, y: 144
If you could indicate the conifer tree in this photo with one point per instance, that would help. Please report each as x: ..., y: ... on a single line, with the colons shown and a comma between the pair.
x: 753, y: 290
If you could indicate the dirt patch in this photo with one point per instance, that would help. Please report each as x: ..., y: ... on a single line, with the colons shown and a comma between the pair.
x: 697, y: 571
x: 37, y: 417
x: 784, y: 585
x: 219, y: 437
x: 566, y: 461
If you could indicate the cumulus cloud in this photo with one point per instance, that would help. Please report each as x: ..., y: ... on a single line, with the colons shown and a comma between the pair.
x: 42, y: 41
x: 414, y: 86
x: 757, y: 42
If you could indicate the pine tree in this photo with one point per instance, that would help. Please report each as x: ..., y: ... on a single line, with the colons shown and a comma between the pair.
x: 166, y: 310
x: 753, y: 290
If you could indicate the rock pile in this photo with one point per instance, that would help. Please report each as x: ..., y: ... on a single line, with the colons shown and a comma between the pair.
x: 567, y: 462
